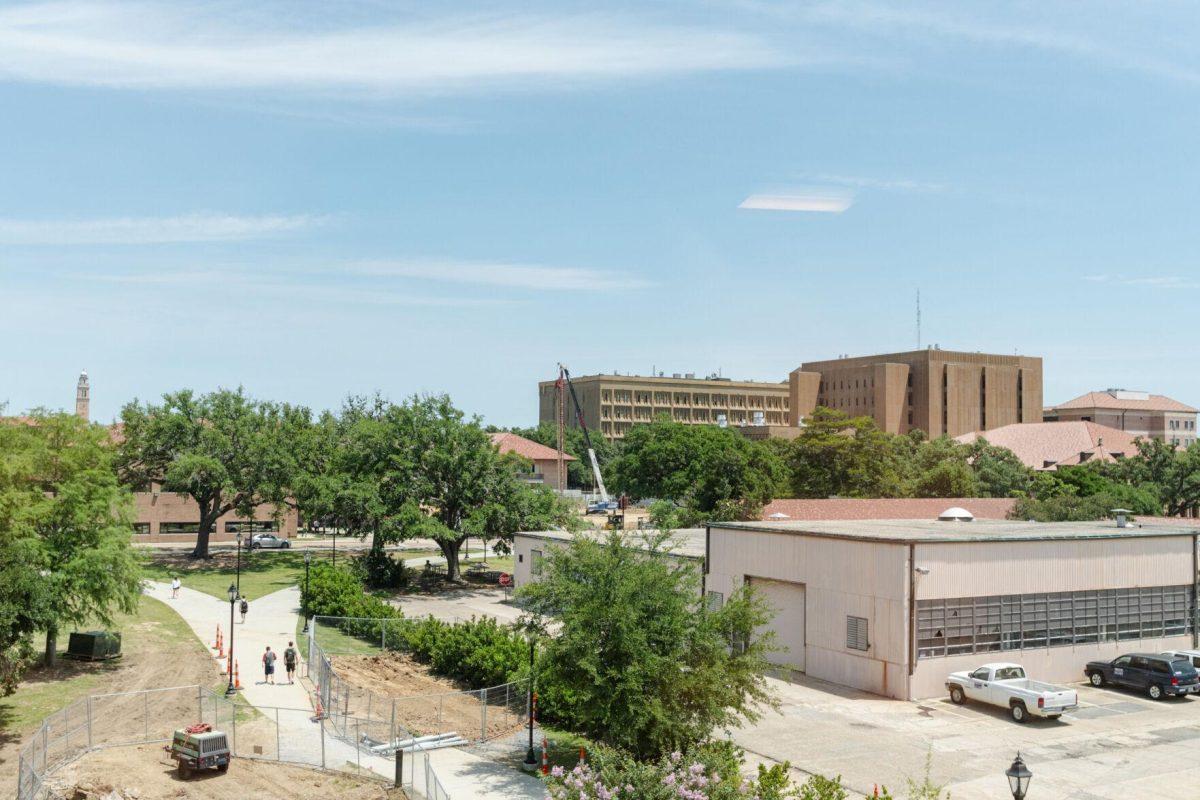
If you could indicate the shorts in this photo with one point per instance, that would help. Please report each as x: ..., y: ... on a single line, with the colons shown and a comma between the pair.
x: 291, y: 666
x: 269, y: 669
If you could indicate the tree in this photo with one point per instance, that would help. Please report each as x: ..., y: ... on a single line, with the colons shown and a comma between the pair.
x: 844, y: 456
x: 940, y: 468
x: 1175, y: 472
x: 638, y: 662
x: 65, y: 525
x: 700, y: 467
x: 999, y: 472
x: 224, y: 449
x: 579, y: 471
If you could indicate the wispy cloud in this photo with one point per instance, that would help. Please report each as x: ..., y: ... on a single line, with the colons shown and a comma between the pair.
x: 820, y: 202
x: 514, y: 276
x: 187, y: 44
x: 152, y: 230
x: 1150, y: 281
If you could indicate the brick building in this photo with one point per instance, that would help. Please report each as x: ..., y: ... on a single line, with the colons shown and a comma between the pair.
x: 612, y: 404
x: 937, y: 391
x: 1138, y: 413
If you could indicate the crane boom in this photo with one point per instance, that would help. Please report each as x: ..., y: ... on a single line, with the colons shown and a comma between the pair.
x: 587, y: 439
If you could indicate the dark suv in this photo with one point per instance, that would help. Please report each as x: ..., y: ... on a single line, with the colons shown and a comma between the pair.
x: 1156, y: 675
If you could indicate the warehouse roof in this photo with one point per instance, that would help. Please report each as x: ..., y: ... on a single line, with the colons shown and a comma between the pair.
x: 685, y: 542
x: 908, y: 531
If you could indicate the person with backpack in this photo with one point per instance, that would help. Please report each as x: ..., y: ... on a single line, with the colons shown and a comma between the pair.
x: 289, y: 662
x: 268, y: 661
x: 244, y: 608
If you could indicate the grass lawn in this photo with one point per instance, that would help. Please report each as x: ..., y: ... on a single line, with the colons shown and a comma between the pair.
x: 263, y: 571
x: 153, y: 628
x: 334, y: 642
x: 562, y: 748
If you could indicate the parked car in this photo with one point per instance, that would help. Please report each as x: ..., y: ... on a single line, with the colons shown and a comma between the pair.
x: 1158, y: 676
x: 601, y: 507
x: 1191, y: 655
x: 268, y: 541
x: 1006, y: 686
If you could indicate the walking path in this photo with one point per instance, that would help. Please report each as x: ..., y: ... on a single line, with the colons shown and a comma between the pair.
x: 272, y: 621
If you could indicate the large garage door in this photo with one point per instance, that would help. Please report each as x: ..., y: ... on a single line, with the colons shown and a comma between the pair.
x: 787, y: 599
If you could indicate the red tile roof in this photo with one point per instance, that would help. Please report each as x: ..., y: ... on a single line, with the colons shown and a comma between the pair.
x: 1044, y: 445
x: 1153, y: 402
x: 527, y: 448
x: 887, y: 508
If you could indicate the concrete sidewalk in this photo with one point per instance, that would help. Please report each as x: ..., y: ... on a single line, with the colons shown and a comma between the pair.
x: 272, y: 621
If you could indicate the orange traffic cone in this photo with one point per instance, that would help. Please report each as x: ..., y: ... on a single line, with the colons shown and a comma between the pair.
x: 545, y: 758
x: 217, y: 640
x: 237, y: 680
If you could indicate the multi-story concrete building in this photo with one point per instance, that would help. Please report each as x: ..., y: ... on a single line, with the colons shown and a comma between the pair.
x: 937, y: 391
x: 612, y: 404
x: 1138, y: 413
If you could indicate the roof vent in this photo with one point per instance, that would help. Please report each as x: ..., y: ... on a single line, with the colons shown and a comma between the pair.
x: 1122, y: 517
x: 778, y: 515
x: 956, y: 514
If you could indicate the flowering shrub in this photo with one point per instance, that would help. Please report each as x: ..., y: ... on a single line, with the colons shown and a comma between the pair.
x: 673, y: 778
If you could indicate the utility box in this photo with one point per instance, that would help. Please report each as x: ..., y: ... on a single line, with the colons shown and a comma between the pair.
x: 94, y: 645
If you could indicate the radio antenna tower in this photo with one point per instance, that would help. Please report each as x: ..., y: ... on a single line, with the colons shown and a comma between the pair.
x: 918, y: 319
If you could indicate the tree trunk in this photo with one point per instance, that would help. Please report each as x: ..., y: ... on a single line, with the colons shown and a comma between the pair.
x: 51, y: 647
x: 450, y: 551
x: 208, y: 519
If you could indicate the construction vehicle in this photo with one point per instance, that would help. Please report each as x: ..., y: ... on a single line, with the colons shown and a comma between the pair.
x: 605, y: 503
x: 200, y: 747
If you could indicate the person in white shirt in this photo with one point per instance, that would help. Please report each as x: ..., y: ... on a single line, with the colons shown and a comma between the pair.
x: 175, y: 584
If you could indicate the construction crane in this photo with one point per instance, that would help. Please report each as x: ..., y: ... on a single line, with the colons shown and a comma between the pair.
x: 564, y: 376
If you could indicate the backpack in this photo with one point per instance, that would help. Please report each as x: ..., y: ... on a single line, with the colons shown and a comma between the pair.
x: 245, y: 606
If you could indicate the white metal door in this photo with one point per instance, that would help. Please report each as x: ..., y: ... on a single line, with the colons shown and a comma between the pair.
x: 787, y: 600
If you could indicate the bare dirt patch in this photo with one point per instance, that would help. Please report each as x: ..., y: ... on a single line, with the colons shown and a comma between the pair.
x: 424, y: 703
x: 147, y: 772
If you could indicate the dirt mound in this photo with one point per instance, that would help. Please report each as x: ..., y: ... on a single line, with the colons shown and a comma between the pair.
x: 147, y: 772
x: 424, y: 703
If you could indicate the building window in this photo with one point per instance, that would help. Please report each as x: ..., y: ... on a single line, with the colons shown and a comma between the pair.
x: 179, y: 527
x: 141, y: 527
x: 856, y: 633
x: 535, y: 562
x: 714, y: 600
x: 966, y: 625
x: 264, y: 526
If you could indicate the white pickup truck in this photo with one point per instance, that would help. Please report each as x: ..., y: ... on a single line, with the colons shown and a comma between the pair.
x: 1005, y: 685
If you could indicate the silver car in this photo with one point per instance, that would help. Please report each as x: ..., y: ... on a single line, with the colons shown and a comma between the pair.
x: 268, y: 541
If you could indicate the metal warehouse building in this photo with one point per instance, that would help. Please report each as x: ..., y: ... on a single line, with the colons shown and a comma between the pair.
x: 892, y: 606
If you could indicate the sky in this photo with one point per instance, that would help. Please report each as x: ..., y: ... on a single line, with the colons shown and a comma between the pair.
x: 317, y: 200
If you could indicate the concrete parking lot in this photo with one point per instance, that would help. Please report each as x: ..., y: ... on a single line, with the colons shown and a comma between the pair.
x: 1118, y: 744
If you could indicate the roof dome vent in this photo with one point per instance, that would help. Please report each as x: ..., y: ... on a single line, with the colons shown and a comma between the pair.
x: 956, y: 514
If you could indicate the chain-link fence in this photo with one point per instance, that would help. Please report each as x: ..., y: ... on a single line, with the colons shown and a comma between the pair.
x: 473, y: 716
x: 363, y: 747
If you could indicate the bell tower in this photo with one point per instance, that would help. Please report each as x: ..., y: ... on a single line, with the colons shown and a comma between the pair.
x: 82, y: 399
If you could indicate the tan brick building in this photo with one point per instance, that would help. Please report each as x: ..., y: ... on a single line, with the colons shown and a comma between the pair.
x: 612, y: 404
x: 1139, y: 413
x: 937, y: 391
x: 173, y: 517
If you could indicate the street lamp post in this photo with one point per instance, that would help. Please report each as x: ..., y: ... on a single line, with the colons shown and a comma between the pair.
x: 530, y: 756
x: 239, y: 562
x: 307, y: 560
x: 1018, y: 778
x: 233, y: 596
x: 335, y: 547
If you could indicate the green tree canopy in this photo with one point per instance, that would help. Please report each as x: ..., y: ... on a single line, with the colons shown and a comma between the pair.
x: 65, y: 525
x: 638, y: 663
x: 704, y: 468
x: 846, y: 456
x: 224, y: 449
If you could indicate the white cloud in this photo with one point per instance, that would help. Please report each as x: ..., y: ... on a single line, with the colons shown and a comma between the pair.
x: 513, y: 276
x: 151, y: 230
x: 192, y: 45
x: 820, y: 202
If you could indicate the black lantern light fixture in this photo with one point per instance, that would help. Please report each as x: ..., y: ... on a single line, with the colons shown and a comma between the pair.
x: 1018, y: 778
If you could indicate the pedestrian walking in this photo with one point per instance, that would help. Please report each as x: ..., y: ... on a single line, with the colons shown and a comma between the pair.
x: 289, y: 662
x: 175, y: 584
x: 268, y: 660
x: 244, y: 608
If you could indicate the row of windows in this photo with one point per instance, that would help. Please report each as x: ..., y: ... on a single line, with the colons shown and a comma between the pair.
x: 964, y: 625
x: 267, y: 526
x: 1182, y: 424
